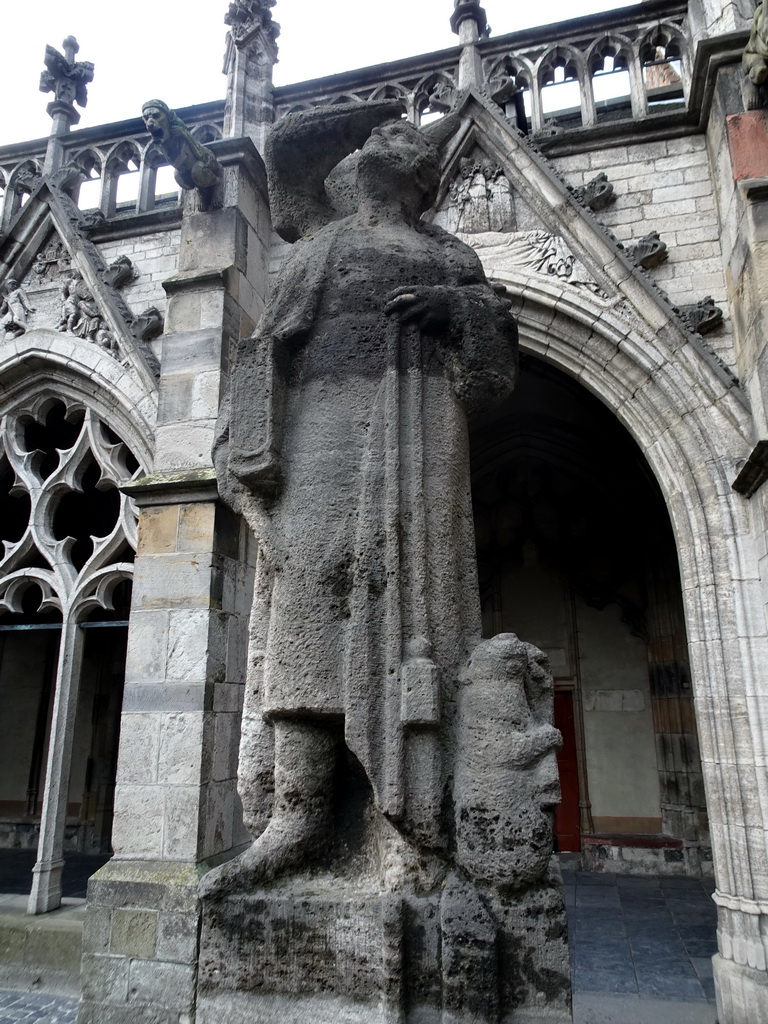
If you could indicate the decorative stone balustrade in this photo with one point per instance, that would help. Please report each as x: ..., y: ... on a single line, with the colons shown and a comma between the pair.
x: 582, y: 75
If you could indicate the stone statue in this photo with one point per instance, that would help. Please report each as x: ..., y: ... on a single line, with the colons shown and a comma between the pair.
x: 194, y: 165
x: 755, y: 57
x: 14, y: 309
x: 346, y: 450
x: 344, y: 444
x: 80, y: 314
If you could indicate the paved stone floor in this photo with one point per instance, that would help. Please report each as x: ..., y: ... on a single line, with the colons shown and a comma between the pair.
x: 36, y: 1008
x: 641, y: 953
x: 645, y: 938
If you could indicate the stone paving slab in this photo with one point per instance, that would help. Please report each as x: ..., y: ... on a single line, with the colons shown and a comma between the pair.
x: 647, y: 939
x: 36, y: 1008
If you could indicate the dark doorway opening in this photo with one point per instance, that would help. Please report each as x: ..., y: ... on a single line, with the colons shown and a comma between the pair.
x: 576, y: 554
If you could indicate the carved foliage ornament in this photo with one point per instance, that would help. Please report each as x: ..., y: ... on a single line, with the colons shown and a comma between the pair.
x: 66, y: 78
x: 597, y: 193
x: 650, y: 251
x: 244, y: 17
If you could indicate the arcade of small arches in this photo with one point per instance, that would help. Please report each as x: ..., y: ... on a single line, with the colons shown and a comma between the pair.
x: 127, y: 176
x: 578, y: 83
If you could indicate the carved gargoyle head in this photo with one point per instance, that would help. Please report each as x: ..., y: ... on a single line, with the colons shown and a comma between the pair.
x: 158, y: 118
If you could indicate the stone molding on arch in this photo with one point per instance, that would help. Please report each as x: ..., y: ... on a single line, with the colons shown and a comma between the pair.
x: 44, y: 360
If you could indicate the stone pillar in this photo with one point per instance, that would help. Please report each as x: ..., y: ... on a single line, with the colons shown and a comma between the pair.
x: 68, y: 80
x: 733, y: 719
x: 176, y: 806
x: 469, y: 23
x: 251, y: 55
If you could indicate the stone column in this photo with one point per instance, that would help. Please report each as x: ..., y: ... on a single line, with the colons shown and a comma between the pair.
x: 469, y: 23
x: 176, y: 806
x: 45, y: 894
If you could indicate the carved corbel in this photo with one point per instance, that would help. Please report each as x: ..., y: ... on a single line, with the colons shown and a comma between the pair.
x: 650, y: 251
x: 701, y: 317
x: 150, y: 324
x: 597, y: 193
x: 120, y: 273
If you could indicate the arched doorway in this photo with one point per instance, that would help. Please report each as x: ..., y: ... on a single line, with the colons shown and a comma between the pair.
x: 576, y: 554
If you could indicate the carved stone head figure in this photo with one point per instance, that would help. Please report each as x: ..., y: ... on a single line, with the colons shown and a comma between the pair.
x: 158, y: 118
x: 397, y: 160
x: 506, y: 784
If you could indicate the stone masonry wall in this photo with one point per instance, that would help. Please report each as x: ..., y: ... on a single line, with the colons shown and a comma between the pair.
x: 666, y: 186
x: 155, y: 257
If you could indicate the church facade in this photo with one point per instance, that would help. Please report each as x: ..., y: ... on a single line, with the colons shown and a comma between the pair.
x: 611, y: 173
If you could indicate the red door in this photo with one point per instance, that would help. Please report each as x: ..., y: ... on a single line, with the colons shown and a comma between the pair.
x: 567, y: 815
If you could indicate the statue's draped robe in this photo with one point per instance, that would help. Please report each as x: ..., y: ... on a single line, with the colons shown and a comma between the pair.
x: 363, y: 419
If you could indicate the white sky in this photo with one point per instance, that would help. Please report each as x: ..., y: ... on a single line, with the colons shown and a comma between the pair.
x: 173, y: 49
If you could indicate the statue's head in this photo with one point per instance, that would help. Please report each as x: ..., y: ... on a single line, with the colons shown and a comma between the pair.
x: 398, y: 161
x: 158, y: 118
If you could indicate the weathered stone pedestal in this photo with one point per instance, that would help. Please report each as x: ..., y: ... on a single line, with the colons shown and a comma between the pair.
x: 328, y: 951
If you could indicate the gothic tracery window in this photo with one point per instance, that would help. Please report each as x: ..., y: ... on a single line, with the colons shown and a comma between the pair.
x: 65, y: 527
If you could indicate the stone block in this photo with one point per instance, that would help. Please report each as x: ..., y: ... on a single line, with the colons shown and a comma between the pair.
x: 181, y: 823
x: 11, y: 944
x: 181, y: 740
x: 171, y: 581
x: 148, y: 645
x: 196, y: 526
x: 96, y: 929
x: 157, y: 530
x: 177, y: 938
x: 748, y: 144
x: 105, y: 978
x: 139, y: 745
x: 175, y: 399
x: 134, y: 933
x: 162, y: 984
x: 91, y: 1012
x: 138, y: 825
x: 148, y: 697
x: 185, y: 445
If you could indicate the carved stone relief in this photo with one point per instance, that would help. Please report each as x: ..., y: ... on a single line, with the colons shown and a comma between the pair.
x: 57, y: 296
x: 479, y: 199
x: 537, y: 252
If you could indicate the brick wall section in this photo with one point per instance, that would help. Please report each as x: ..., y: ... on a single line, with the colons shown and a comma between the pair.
x: 666, y: 186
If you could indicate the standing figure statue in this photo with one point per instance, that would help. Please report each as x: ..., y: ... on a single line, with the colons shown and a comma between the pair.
x: 14, y: 309
x: 345, y: 446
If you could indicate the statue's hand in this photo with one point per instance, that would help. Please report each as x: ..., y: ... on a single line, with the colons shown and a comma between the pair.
x: 429, y: 307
